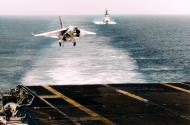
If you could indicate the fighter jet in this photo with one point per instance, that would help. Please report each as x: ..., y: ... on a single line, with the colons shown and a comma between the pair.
x: 66, y: 34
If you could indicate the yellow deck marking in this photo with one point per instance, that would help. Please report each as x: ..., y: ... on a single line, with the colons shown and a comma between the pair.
x: 127, y: 94
x: 79, y: 106
x: 58, y: 110
x: 52, y: 106
x: 88, y: 118
x: 48, y: 96
x: 175, y: 87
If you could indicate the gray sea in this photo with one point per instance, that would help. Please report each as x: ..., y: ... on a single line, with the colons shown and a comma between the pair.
x: 137, y: 49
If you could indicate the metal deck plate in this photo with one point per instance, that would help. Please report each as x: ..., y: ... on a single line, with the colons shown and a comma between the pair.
x: 113, y: 104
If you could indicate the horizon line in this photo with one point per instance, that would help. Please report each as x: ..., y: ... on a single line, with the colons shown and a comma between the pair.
x: 94, y: 14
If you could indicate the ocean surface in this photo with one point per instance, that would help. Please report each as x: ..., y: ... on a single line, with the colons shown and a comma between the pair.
x: 137, y: 49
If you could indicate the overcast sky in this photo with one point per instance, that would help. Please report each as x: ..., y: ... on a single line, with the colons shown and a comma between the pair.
x: 91, y: 7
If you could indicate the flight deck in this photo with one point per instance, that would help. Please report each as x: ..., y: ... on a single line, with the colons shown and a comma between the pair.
x: 111, y: 104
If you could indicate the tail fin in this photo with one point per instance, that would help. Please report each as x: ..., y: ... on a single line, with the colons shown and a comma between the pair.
x: 61, y: 23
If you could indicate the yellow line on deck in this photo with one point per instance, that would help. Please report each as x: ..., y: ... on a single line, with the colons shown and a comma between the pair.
x: 127, y: 94
x: 49, y: 96
x: 52, y: 106
x: 87, y: 118
x: 79, y: 106
x: 175, y: 87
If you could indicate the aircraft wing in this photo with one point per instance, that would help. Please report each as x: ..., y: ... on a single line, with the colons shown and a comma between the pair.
x: 84, y: 32
x: 52, y: 34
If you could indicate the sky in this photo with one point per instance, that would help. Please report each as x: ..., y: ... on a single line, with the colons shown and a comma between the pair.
x: 93, y: 7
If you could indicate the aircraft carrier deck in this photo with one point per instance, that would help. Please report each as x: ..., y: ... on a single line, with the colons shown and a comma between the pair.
x: 112, y: 104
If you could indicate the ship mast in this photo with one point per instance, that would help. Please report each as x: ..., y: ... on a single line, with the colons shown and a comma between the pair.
x: 106, y: 12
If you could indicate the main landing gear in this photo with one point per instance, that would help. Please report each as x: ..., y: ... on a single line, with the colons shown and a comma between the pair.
x: 61, y: 44
x: 74, y: 43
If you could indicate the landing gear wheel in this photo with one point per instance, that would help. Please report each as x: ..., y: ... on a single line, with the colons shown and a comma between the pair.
x: 74, y: 43
x: 59, y: 43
